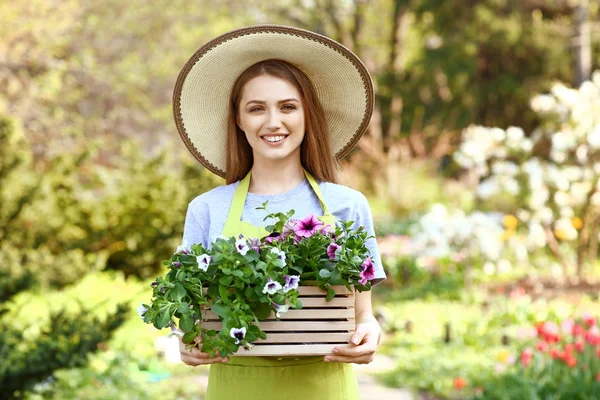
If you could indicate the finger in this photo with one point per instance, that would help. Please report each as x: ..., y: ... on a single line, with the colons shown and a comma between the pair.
x: 358, y: 336
x: 363, y: 359
x: 354, y: 351
x: 194, y: 361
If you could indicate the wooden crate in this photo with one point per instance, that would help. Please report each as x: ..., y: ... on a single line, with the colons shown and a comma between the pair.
x: 313, y: 330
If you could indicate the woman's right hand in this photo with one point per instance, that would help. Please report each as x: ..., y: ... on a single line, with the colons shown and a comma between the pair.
x: 195, y: 356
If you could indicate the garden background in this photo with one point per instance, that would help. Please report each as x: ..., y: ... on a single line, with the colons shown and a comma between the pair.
x: 481, y: 164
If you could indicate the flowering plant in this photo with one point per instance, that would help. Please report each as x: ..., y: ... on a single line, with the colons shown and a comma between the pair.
x: 561, y: 361
x: 244, y: 279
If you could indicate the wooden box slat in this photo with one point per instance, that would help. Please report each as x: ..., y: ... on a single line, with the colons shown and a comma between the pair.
x: 290, y: 326
x: 320, y: 302
x: 308, y: 337
x: 313, y: 330
x: 284, y: 350
x: 335, y: 313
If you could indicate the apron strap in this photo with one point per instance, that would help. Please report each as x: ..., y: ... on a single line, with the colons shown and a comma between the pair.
x: 237, y: 205
x: 239, y: 200
x: 317, y: 190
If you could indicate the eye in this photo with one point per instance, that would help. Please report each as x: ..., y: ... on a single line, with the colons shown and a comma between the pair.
x: 255, y: 109
x: 289, y: 107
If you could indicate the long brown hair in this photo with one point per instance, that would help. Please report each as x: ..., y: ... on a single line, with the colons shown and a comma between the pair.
x: 315, y: 150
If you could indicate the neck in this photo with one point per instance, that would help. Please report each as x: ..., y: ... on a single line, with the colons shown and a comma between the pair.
x: 275, y: 178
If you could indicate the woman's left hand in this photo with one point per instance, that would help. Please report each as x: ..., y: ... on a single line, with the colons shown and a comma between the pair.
x: 362, y: 346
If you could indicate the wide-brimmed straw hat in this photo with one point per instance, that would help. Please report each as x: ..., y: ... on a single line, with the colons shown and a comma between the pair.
x: 201, y: 96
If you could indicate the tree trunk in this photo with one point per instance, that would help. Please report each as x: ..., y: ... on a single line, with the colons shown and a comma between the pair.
x: 582, y: 46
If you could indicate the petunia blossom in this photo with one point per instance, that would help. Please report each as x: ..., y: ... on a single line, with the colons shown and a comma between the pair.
x: 332, y: 250
x: 271, y: 287
x: 280, y: 254
x: 176, y: 264
x: 308, y: 226
x: 254, y: 244
x: 242, y: 246
x: 368, y: 271
x: 280, y: 309
x: 184, y: 248
x: 142, y: 310
x: 273, y: 237
x: 203, y: 261
x: 288, y: 228
x: 238, y: 334
x: 291, y: 283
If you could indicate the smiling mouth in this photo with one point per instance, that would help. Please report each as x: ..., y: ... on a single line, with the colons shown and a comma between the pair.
x: 274, y: 138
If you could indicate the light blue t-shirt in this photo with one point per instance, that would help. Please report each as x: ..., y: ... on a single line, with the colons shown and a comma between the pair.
x: 207, y: 213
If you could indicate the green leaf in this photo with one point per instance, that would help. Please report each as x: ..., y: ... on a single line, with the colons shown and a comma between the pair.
x: 224, y: 294
x: 330, y: 294
x: 186, y: 322
x: 324, y: 273
x: 237, y: 272
x: 163, y: 319
x: 226, y: 280
x: 184, y: 308
x: 262, y: 310
x: 178, y: 292
x: 188, y: 337
x: 221, y: 310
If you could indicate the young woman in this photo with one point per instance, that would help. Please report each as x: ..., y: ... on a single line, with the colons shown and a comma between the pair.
x: 271, y: 108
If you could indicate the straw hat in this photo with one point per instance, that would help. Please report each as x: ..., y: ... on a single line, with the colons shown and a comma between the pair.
x: 201, y: 96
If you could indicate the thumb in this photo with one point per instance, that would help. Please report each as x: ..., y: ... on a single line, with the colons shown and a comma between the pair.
x: 358, y: 336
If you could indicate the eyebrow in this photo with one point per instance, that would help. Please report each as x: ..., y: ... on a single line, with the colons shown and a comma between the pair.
x: 279, y: 102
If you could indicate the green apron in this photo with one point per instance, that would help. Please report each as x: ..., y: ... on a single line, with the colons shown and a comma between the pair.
x: 277, y: 378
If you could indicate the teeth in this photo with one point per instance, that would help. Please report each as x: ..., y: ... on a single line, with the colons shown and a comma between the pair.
x: 273, y: 139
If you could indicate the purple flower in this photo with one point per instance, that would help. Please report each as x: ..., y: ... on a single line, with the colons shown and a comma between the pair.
x: 238, y: 334
x: 308, y: 226
x: 273, y: 237
x: 271, y: 287
x: 176, y: 264
x: 368, y: 271
x: 332, y: 250
x: 280, y: 254
x: 327, y: 230
x: 241, y: 246
x: 291, y: 282
x: 289, y: 226
x: 203, y: 261
x: 254, y: 244
x: 154, y: 284
x: 184, y: 248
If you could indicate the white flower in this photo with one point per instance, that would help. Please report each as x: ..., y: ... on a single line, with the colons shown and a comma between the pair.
x: 291, y: 283
x: 238, y: 334
x: 203, y: 261
x: 489, y: 268
x: 271, y: 287
x: 242, y: 246
x: 142, y: 310
x: 280, y: 254
x: 281, y: 309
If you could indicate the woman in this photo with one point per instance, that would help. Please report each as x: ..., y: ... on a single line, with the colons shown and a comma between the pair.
x: 268, y: 107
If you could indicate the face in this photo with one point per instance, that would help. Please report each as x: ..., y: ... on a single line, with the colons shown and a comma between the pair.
x: 271, y: 114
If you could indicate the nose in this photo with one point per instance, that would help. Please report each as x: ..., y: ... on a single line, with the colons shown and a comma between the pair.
x: 274, y: 122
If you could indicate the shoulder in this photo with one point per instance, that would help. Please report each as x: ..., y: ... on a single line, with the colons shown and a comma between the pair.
x: 218, y: 197
x: 343, y: 198
x: 337, y: 192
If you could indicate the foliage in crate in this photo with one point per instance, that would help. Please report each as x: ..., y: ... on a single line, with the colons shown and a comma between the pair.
x: 248, y: 278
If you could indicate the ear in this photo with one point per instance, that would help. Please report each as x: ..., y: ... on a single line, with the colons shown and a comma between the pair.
x: 238, y: 122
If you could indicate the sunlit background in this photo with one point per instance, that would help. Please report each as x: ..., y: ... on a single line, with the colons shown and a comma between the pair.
x: 481, y: 165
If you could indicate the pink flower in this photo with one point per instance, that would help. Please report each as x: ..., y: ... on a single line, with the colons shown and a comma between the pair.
x: 273, y: 237
x: 288, y: 228
x: 368, y: 271
x: 589, y: 319
x: 326, y: 230
x: 331, y: 249
x: 526, y: 357
x: 593, y: 336
x: 308, y: 226
x: 567, y: 326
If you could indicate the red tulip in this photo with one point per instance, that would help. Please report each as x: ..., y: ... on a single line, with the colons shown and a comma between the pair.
x: 459, y: 383
x: 526, y: 356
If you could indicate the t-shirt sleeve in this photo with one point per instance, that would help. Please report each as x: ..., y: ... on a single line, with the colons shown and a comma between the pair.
x: 192, y: 230
x: 364, y: 218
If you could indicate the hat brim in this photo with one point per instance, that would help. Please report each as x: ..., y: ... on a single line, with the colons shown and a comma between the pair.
x: 201, y: 95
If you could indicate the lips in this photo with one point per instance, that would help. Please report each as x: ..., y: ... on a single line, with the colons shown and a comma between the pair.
x: 274, y: 139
